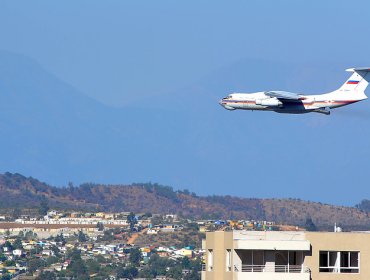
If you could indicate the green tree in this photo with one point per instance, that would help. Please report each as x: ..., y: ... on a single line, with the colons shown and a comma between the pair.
x: 9, y: 263
x: 185, y: 263
x: 21, y: 235
x: 135, y: 256
x: 100, y: 226
x: 77, y: 267
x: 18, y: 243
x: 30, y: 235
x: 175, y: 272
x: 196, y: 264
x: 107, y: 236
x: 74, y: 254
x: 100, y: 259
x: 146, y: 273
x: 44, y: 206
x: 6, y: 277
x: 47, y: 275
x: 55, y: 250
x: 193, y: 275
x: 156, y: 220
x: 158, y: 265
x: 82, y: 237
x: 60, y: 239
x: 131, y: 219
x: 92, y: 266
x: 36, y: 250
x: 122, y: 273
x: 35, y: 264
x: 8, y: 245
x: 131, y: 272
x: 309, y: 225
x: 51, y: 260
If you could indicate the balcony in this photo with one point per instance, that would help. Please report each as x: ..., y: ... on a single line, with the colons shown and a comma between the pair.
x: 272, y: 272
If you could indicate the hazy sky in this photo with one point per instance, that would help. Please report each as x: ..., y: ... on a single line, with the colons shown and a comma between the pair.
x: 124, y: 52
x: 121, y: 51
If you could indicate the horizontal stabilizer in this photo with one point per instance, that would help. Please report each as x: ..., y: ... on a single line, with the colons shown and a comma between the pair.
x: 358, y: 69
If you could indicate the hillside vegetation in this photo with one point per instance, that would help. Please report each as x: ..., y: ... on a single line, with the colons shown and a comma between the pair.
x: 22, y: 192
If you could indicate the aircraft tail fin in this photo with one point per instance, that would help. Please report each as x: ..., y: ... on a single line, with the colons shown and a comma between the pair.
x: 358, y: 81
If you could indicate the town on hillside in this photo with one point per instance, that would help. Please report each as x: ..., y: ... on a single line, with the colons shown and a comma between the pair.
x: 55, y: 244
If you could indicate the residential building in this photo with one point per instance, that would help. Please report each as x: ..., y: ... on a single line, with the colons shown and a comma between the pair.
x: 185, y: 252
x: 289, y: 255
x: 17, y: 252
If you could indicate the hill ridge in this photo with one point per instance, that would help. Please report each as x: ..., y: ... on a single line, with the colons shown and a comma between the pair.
x: 17, y: 190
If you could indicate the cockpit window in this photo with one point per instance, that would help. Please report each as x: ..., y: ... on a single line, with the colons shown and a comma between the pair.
x: 228, y: 97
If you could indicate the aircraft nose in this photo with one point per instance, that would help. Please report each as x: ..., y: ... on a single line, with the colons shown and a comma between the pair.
x: 226, y: 105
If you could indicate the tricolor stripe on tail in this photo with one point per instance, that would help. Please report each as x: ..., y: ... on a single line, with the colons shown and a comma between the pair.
x: 358, y: 81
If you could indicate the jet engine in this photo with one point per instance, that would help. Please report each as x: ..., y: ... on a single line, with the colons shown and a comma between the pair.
x: 270, y: 102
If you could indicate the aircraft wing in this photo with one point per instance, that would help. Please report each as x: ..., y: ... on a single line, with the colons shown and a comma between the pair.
x: 284, y: 95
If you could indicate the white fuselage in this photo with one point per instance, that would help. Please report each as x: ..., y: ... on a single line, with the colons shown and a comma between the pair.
x: 309, y: 103
x: 353, y: 90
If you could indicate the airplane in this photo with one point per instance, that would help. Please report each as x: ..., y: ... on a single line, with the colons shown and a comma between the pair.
x: 352, y: 91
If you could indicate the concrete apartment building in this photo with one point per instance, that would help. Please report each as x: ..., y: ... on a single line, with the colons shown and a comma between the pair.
x: 274, y: 255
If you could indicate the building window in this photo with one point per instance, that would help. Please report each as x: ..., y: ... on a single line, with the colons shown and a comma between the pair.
x: 339, y: 262
x: 210, y: 260
x: 228, y: 260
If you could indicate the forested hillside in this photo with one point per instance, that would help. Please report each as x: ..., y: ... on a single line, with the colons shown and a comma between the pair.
x: 17, y: 191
